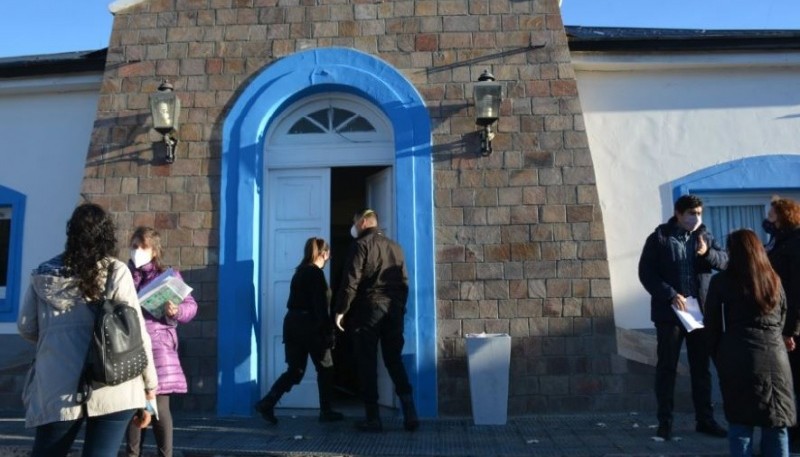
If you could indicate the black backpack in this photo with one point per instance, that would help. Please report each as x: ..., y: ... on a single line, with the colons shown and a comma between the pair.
x: 116, y: 351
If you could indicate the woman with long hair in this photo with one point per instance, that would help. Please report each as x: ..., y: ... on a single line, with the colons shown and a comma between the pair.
x: 307, y: 331
x: 783, y: 224
x: 55, y: 315
x: 745, y: 314
x: 145, y: 264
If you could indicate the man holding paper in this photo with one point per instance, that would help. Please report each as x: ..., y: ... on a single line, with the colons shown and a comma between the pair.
x: 675, y: 268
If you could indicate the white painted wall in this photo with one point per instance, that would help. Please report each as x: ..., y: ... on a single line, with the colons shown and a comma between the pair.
x: 45, y: 126
x: 652, y: 119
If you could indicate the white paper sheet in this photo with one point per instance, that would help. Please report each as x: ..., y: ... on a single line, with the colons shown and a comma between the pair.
x: 692, y: 318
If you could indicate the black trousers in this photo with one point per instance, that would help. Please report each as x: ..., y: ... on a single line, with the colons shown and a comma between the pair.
x: 381, y: 324
x: 670, y: 339
x: 162, y: 429
x: 301, y: 341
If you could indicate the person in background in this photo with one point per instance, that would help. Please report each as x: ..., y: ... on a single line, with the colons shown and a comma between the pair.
x: 373, y: 294
x: 745, y: 315
x: 307, y: 331
x: 55, y: 315
x: 676, y: 263
x: 145, y: 264
x: 783, y: 224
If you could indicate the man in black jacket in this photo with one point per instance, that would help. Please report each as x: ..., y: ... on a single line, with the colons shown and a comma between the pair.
x: 373, y: 295
x: 676, y: 263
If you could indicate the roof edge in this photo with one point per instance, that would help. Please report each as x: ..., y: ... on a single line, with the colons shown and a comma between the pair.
x: 51, y: 64
x: 627, y: 39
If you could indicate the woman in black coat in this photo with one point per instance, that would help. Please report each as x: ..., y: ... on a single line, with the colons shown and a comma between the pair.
x: 307, y: 332
x: 783, y: 224
x: 745, y: 316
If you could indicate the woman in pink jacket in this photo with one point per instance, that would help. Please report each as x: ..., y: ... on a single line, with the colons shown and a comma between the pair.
x: 145, y: 265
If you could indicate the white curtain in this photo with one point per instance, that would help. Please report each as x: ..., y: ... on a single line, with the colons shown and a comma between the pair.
x: 722, y: 220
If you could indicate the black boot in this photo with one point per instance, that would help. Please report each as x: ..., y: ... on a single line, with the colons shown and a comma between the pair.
x: 664, y: 430
x: 329, y: 415
x: 410, y: 420
x: 325, y: 386
x: 372, y: 423
x: 266, y: 407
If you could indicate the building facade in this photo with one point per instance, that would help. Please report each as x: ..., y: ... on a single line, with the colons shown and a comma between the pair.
x: 296, y: 113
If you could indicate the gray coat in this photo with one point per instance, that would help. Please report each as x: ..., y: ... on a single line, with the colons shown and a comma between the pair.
x: 56, y: 318
x: 750, y: 356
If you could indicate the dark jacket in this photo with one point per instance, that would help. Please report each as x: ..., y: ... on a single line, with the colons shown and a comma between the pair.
x: 308, y: 317
x: 750, y: 356
x: 374, y: 273
x: 659, y: 270
x: 785, y: 259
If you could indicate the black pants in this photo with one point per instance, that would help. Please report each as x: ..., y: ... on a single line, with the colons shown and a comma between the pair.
x: 794, y: 363
x: 301, y: 341
x: 670, y: 339
x: 382, y: 324
x: 162, y: 429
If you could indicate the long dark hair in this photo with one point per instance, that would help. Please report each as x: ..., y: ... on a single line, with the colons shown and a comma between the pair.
x: 314, y: 247
x: 148, y: 236
x: 749, y: 266
x: 91, y: 238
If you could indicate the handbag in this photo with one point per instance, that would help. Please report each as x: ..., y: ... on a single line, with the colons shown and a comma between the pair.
x: 116, y: 351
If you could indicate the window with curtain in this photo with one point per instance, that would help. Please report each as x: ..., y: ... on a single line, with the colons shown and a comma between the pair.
x: 725, y: 212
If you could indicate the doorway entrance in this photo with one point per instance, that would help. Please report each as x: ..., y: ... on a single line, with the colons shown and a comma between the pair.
x: 319, y: 202
x: 326, y: 158
x: 252, y: 148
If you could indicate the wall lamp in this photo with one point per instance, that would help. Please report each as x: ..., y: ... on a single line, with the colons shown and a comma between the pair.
x: 488, y: 95
x: 165, y: 106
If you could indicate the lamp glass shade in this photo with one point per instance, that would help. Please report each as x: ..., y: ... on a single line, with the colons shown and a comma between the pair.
x: 165, y: 107
x: 487, y: 101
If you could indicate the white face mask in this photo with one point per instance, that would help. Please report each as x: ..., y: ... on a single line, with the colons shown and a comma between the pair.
x: 691, y: 222
x: 141, y: 257
x: 353, y: 231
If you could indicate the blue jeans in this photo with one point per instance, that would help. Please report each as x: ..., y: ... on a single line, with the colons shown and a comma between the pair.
x: 103, y: 436
x: 774, y: 441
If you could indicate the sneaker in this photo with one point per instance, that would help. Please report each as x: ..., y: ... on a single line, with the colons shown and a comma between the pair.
x: 370, y: 425
x: 664, y: 431
x: 330, y: 416
x: 267, y: 411
x: 711, y: 429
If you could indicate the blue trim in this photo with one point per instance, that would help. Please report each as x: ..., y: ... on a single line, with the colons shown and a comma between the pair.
x: 9, y: 306
x: 768, y: 172
x: 276, y: 87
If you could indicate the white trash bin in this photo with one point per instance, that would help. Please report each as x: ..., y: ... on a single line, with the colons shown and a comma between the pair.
x: 488, y: 359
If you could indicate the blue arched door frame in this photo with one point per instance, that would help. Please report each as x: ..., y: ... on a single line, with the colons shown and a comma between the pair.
x: 244, y: 131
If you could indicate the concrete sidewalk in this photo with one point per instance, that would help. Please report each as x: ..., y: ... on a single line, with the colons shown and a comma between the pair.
x: 299, y: 434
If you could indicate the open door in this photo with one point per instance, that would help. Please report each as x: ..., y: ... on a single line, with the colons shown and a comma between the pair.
x: 380, y: 198
x: 298, y: 207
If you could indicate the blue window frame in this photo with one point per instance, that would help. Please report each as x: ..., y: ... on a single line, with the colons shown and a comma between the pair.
x: 736, y: 194
x: 12, y: 217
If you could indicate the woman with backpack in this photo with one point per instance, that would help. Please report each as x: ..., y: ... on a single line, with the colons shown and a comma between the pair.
x: 56, y: 316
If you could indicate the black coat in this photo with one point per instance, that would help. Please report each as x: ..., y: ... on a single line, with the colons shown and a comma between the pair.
x: 784, y: 255
x: 375, y: 274
x: 750, y: 356
x: 659, y: 270
x: 308, y: 316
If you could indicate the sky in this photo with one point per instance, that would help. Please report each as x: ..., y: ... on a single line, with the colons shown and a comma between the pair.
x: 31, y: 27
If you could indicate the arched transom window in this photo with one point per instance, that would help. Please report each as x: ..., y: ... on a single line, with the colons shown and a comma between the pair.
x: 331, y: 129
x: 327, y: 120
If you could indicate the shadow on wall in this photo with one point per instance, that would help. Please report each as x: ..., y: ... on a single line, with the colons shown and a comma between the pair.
x: 16, y: 356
